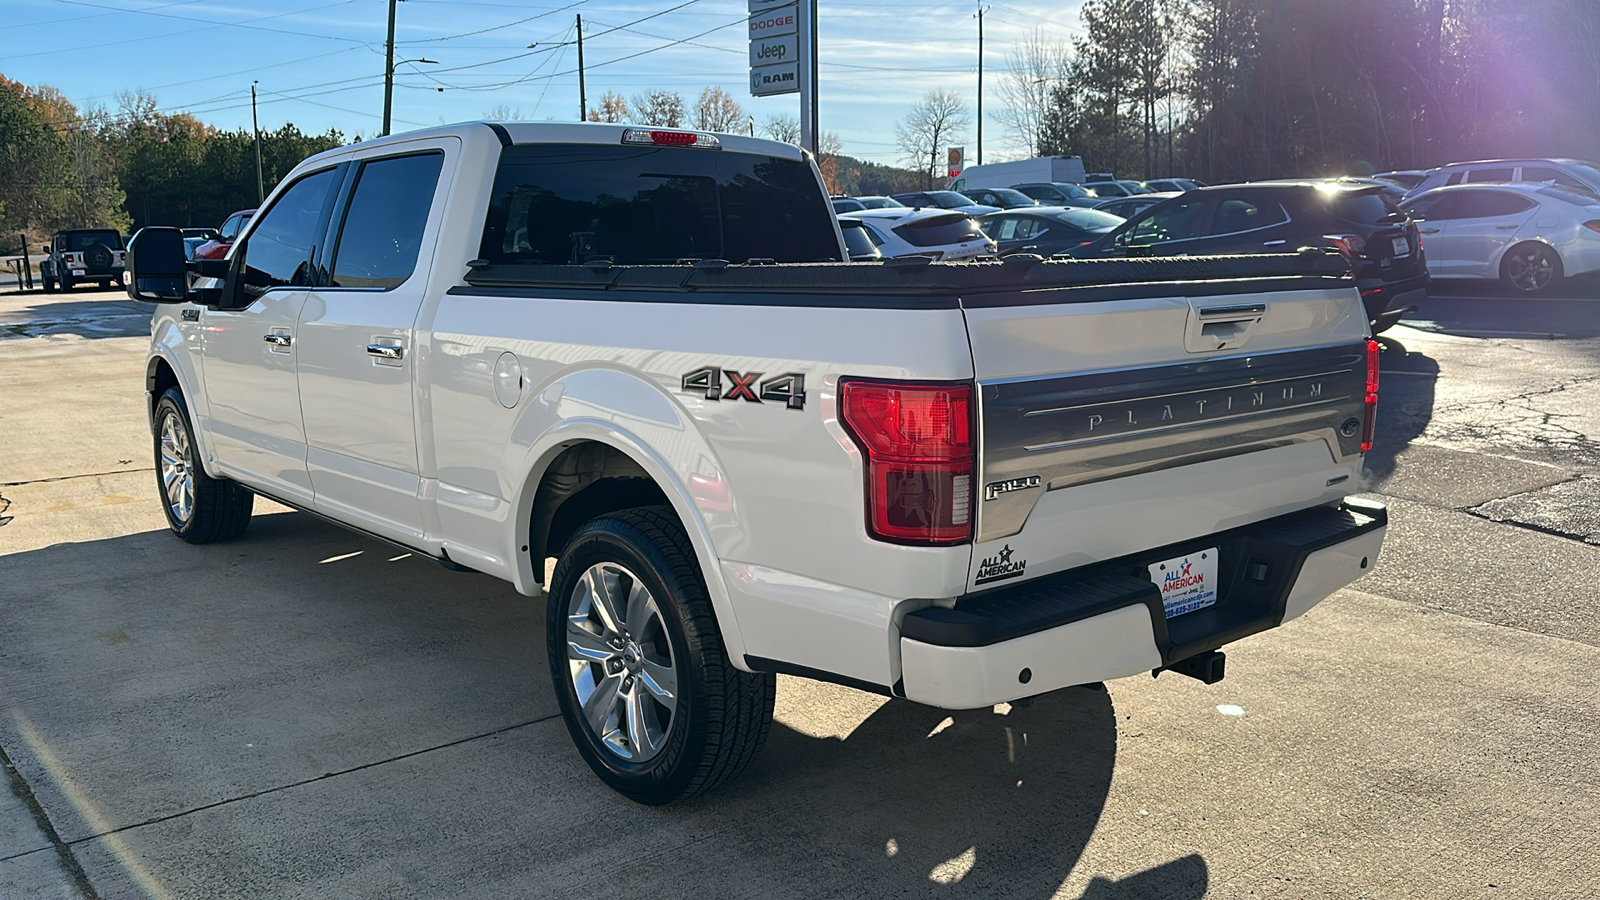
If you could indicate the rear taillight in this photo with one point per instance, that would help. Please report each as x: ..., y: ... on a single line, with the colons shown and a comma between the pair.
x: 1351, y: 245
x: 1592, y: 224
x: 917, y: 439
x: 1371, y: 418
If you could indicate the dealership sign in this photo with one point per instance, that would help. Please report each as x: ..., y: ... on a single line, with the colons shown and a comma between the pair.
x: 774, y: 47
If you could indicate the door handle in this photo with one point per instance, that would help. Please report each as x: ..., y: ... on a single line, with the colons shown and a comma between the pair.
x: 278, y: 340
x: 1505, y: 227
x: 1429, y: 230
x: 1277, y: 243
x: 386, y: 351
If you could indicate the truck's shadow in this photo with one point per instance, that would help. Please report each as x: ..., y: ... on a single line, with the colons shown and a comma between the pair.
x: 330, y: 653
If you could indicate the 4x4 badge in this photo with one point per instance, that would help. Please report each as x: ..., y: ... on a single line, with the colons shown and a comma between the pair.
x: 788, y: 388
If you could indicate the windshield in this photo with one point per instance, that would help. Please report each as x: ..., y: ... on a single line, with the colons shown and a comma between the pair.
x: 1088, y: 219
x: 881, y: 203
x: 83, y: 240
x: 1012, y: 197
x: 567, y: 203
x: 1568, y: 195
x: 950, y: 199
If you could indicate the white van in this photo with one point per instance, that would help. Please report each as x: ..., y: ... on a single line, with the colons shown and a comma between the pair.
x: 1043, y: 168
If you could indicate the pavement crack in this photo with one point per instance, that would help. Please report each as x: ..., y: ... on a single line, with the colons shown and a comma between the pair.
x: 63, y: 849
x: 71, y: 477
x: 155, y: 820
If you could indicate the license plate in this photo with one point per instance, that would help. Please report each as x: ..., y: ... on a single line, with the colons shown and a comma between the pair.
x: 77, y: 271
x: 1187, y: 583
x: 1401, y: 246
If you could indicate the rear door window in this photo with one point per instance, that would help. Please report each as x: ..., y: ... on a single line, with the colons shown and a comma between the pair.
x: 1368, y: 209
x: 1494, y: 204
x: 568, y: 203
x: 1503, y: 173
x: 1235, y: 215
x: 381, y: 236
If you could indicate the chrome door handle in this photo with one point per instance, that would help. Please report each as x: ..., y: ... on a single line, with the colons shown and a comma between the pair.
x: 1278, y: 243
x: 1505, y: 227
x: 386, y: 351
x: 1429, y: 230
x: 278, y: 340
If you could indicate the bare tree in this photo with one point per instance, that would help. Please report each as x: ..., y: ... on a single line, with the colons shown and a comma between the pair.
x: 716, y: 110
x: 828, y: 153
x: 661, y: 108
x: 1037, y: 64
x: 782, y: 128
x: 937, y: 119
x: 612, y: 108
x: 503, y: 113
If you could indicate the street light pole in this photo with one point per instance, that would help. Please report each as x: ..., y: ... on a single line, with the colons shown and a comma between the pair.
x: 255, y: 123
x: 388, y: 71
x: 981, y: 11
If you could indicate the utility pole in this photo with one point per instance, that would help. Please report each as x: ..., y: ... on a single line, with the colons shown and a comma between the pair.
x: 981, y: 11
x: 807, y: 28
x: 388, y: 71
x: 255, y: 123
x: 583, y: 96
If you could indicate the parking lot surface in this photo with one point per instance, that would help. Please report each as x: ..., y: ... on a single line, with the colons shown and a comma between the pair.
x: 309, y: 713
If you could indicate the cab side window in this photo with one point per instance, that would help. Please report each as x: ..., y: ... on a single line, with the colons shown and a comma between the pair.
x: 278, y: 253
x: 1177, y: 221
x: 230, y: 228
x: 1235, y: 215
x: 381, y: 236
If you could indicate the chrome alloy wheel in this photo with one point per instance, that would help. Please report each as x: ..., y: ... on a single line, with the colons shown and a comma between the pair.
x: 620, y: 661
x: 1530, y: 268
x: 177, y: 469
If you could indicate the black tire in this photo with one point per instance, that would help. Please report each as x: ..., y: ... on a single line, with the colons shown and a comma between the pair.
x: 65, y: 283
x: 721, y: 715
x: 1531, y: 268
x: 217, y: 509
x: 49, y: 284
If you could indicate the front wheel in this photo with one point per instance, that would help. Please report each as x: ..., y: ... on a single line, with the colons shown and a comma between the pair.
x: 200, y: 509
x: 644, y: 683
x: 49, y: 284
x: 1531, y: 268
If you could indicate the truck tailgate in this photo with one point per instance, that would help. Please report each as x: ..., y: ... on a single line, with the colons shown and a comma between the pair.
x: 1118, y: 419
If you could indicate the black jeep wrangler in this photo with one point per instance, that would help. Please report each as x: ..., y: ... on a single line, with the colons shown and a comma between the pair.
x: 76, y: 255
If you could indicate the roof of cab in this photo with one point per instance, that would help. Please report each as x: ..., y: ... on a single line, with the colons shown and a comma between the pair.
x: 554, y: 133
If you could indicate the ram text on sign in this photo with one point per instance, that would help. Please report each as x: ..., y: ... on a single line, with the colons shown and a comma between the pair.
x: 783, y: 20
x: 783, y: 78
x: 770, y: 51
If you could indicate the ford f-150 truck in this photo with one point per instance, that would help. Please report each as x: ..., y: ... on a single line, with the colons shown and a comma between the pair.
x: 644, y: 354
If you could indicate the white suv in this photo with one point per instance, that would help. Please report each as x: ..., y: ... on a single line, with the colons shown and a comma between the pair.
x: 1573, y: 173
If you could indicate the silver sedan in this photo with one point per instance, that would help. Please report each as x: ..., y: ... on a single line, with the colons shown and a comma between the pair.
x: 1530, y: 236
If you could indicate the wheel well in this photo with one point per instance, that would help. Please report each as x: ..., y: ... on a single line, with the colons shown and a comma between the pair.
x: 157, y: 379
x: 587, y: 480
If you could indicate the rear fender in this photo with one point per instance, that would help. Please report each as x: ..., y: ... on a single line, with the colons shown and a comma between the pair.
x: 639, y: 419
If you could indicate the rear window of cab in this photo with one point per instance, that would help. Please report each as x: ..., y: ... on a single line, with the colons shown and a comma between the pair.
x: 570, y: 203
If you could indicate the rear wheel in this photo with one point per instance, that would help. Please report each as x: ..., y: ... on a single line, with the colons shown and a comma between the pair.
x: 645, y: 685
x: 1531, y: 268
x: 66, y: 284
x: 200, y: 509
x: 49, y: 284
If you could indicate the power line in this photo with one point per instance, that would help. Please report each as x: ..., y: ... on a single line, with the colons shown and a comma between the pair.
x: 210, y: 24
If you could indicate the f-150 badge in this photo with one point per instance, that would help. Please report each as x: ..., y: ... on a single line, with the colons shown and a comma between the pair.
x: 708, y: 382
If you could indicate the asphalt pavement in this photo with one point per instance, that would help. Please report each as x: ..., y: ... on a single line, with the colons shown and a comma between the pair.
x: 307, y: 713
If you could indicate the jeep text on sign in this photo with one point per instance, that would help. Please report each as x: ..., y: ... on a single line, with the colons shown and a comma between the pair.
x: 780, y: 21
x: 769, y: 51
x: 783, y: 78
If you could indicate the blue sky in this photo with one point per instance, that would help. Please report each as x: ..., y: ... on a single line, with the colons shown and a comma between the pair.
x: 320, y: 62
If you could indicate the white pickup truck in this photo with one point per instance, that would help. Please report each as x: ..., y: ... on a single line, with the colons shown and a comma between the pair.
x: 640, y: 352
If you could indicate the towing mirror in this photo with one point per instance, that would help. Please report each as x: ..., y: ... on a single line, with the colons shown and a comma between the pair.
x: 157, y: 270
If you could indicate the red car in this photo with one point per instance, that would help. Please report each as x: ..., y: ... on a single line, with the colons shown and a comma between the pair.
x: 218, y: 247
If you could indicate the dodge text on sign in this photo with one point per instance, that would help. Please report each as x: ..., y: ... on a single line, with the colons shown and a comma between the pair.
x: 772, y: 24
